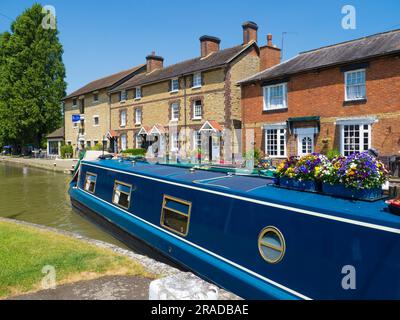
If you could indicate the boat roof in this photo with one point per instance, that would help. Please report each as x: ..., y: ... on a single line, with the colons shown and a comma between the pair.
x: 263, y: 189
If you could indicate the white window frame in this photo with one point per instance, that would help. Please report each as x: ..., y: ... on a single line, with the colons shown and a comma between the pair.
x: 197, y: 79
x: 123, y: 96
x: 123, y: 118
x: 138, y: 116
x: 138, y: 93
x: 172, y: 85
x: 267, y: 95
x: 126, y: 141
x: 174, y: 141
x: 94, y: 121
x: 361, y: 136
x: 173, y: 106
x: 279, y: 145
x: 195, y: 117
x: 346, y: 74
x: 138, y: 139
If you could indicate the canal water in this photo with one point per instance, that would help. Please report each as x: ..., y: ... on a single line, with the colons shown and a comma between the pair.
x: 41, y: 197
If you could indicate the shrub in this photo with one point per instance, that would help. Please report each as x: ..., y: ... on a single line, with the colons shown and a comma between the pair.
x: 66, y: 150
x: 135, y: 152
x: 97, y: 147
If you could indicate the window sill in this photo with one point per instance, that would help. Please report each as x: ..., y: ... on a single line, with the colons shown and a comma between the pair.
x: 194, y: 119
x: 196, y: 87
x: 174, y: 91
x: 275, y: 109
x: 122, y: 101
x: 174, y: 120
x: 138, y: 124
x: 137, y: 99
x: 356, y: 101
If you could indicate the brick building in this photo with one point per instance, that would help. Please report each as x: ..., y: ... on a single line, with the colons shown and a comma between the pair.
x: 344, y: 96
x: 87, y: 110
x: 189, y: 105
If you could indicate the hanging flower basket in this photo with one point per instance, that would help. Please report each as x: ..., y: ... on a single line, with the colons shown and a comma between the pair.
x: 340, y: 190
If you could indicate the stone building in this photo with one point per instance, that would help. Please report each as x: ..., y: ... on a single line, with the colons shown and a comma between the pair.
x: 192, y: 107
x: 87, y: 110
x: 343, y: 96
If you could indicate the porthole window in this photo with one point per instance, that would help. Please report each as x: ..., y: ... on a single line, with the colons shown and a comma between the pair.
x: 122, y: 194
x: 271, y: 244
x: 90, y: 182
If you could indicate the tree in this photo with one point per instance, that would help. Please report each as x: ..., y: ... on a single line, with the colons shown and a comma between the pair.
x: 31, y: 80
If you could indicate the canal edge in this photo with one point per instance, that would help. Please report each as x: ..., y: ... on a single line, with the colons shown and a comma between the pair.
x: 148, y: 263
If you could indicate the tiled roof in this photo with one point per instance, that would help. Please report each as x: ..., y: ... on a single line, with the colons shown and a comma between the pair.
x: 105, y: 82
x: 214, y: 60
x: 350, y: 51
x: 59, y: 133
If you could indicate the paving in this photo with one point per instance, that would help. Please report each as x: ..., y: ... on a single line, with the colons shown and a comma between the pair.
x: 104, y: 288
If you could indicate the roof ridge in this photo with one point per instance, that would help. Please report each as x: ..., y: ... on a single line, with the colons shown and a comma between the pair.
x: 199, y: 57
x: 350, y: 41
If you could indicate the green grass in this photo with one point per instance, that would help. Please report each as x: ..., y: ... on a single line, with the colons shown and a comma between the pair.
x: 24, y: 251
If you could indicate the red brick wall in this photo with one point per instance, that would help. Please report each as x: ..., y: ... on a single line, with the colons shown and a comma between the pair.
x: 322, y: 94
x: 269, y: 56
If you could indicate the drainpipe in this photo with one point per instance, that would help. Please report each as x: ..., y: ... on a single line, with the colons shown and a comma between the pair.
x: 185, y: 109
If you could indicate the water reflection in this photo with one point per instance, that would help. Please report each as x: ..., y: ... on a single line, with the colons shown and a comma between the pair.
x: 41, y: 197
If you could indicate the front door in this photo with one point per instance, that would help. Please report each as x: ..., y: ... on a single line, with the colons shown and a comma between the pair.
x: 305, y: 144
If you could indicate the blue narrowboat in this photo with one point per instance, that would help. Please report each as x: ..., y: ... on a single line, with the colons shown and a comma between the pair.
x: 245, y: 234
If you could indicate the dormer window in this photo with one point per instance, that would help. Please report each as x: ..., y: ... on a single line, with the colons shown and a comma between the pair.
x: 138, y: 92
x: 355, y: 85
x: 174, y: 85
x: 197, y: 80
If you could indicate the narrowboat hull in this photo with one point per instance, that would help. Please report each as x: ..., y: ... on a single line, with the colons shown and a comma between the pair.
x: 322, y: 235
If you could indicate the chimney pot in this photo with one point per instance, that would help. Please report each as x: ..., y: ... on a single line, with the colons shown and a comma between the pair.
x: 249, y: 31
x: 209, y: 44
x: 269, y: 40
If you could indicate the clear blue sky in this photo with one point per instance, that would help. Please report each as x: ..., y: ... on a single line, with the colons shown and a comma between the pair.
x: 103, y: 37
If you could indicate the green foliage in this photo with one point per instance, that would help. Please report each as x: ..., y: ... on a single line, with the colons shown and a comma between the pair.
x: 31, y: 80
x: 25, y: 250
x: 66, y: 150
x: 135, y: 152
x: 97, y: 147
x: 256, y: 154
x: 332, y: 154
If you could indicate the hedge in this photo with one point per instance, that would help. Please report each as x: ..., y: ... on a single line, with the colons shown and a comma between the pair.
x: 135, y: 152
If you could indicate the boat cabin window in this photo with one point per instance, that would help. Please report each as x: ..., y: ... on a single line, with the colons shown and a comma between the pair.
x: 175, y: 215
x: 271, y: 245
x: 122, y: 194
x: 90, y: 182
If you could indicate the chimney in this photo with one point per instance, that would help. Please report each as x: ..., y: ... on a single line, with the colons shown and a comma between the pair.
x: 249, y: 32
x: 270, y: 55
x: 154, y: 62
x: 209, y: 44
